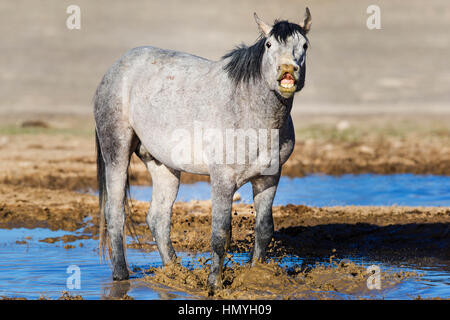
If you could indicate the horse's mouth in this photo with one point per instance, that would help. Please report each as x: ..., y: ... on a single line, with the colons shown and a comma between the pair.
x: 287, y: 83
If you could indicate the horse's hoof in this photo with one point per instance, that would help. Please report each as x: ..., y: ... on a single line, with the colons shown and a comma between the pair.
x: 211, y: 290
x: 213, y: 285
x: 122, y: 275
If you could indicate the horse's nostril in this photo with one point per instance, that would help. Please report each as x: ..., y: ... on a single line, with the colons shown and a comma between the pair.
x: 290, y: 68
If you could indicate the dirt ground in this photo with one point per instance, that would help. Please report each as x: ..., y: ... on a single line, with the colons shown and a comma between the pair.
x: 46, y: 166
x: 44, y: 170
x: 299, y: 229
x: 62, y: 154
x: 386, y: 234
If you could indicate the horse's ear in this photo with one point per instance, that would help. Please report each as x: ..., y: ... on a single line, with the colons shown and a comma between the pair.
x: 307, y: 22
x: 263, y: 27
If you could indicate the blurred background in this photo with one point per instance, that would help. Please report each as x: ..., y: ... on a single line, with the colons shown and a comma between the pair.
x: 50, y: 72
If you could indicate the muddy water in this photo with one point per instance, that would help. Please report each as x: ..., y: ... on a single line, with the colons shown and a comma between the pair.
x: 350, y: 189
x: 32, y: 269
x: 35, y: 269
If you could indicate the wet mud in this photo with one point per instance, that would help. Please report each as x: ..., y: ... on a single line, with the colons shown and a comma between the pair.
x: 387, y: 234
x: 64, y: 296
x: 270, y: 281
x: 42, y: 183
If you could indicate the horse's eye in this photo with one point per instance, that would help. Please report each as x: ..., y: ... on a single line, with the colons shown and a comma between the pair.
x: 268, y: 44
x: 305, y: 46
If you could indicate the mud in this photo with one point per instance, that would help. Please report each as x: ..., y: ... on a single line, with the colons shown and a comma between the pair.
x: 270, y: 281
x: 306, y: 231
x: 384, y: 157
x: 42, y: 179
x: 68, y: 162
x: 64, y: 296
x: 383, y: 233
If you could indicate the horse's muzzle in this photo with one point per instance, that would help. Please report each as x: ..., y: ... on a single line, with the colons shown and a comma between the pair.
x: 287, y: 81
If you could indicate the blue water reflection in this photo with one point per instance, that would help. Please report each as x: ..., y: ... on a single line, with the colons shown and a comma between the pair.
x: 323, y: 190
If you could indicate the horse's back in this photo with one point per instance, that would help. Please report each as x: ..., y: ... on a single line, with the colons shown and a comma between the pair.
x: 145, y: 75
x: 157, y: 91
x: 155, y: 60
x: 149, y: 62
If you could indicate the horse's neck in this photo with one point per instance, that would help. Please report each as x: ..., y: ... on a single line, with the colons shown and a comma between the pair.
x: 262, y: 108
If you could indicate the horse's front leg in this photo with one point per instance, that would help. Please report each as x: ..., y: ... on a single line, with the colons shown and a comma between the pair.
x: 264, y: 189
x: 222, y: 191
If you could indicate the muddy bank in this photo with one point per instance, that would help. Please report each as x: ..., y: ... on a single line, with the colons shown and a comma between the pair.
x: 384, y: 157
x: 306, y: 231
x: 314, y: 232
x: 39, y: 177
x: 43, y: 208
x: 64, y: 296
x: 68, y: 162
x: 386, y: 234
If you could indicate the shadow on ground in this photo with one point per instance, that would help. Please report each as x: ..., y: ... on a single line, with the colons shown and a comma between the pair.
x: 411, y: 243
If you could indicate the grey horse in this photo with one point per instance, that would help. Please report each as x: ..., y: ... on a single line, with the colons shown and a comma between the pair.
x: 150, y: 94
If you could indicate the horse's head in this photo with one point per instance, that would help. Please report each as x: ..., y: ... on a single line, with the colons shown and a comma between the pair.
x: 283, y: 62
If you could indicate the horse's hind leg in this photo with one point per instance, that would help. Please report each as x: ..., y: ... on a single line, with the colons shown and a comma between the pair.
x: 116, y: 178
x: 117, y: 143
x: 165, y: 189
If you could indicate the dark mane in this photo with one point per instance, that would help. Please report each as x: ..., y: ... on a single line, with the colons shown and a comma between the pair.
x: 245, y: 62
x: 284, y: 29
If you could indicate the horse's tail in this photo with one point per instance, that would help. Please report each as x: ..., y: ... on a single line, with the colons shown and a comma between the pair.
x: 102, y: 194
